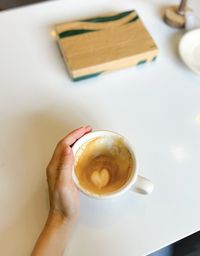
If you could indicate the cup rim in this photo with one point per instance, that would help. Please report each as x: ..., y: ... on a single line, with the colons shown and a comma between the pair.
x: 86, y: 138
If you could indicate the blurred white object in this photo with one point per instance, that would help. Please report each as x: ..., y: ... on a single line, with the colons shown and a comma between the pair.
x: 189, y: 49
x: 192, y: 21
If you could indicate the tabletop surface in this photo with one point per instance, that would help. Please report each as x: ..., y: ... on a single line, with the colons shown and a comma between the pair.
x: 155, y: 106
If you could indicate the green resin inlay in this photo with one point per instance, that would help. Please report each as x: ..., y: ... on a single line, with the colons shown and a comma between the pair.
x: 141, y: 62
x: 74, y: 32
x: 133, y: 20
x: 80, y: 78
x: 109, y: 18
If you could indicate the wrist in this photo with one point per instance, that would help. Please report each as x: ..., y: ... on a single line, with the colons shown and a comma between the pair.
x: 58, y: 219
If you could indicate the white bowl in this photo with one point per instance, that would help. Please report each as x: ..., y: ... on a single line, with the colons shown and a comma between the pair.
x: 189, y: 50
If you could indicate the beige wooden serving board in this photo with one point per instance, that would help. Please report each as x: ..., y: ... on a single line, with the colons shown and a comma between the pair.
x: 98, y: 45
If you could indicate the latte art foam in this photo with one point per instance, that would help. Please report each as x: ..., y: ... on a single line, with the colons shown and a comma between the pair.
x: 103, y: 165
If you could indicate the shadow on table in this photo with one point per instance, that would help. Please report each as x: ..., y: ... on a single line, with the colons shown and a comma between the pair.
x: 8, y: 4
x: 189, y: 246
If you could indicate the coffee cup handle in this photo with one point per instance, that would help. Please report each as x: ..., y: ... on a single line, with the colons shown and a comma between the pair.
x: 143, y: 186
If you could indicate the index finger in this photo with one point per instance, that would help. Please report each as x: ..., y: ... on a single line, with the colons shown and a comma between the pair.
x: 68, y: 140
x: 73, y: 136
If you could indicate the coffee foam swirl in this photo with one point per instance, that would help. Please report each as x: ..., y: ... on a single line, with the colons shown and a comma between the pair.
x: 103, y: 165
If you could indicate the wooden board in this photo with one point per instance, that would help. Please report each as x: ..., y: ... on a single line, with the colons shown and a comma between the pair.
x: 98, y: 45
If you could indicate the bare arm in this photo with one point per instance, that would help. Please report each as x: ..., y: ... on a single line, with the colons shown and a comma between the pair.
x: 64, y: 199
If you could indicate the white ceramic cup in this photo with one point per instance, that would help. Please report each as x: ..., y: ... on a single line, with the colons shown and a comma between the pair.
x: 135, y: 183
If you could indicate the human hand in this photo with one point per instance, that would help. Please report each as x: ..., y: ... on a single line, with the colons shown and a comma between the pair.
x: 63, y: 194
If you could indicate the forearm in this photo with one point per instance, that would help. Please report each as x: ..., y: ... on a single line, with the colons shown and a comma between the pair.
x: 64, y: 198
x: 54, y: 237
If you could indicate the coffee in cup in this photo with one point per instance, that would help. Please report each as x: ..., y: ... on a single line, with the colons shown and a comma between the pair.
x: 104, y: 165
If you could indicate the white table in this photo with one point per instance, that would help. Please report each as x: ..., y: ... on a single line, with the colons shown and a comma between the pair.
x: 156, y: 106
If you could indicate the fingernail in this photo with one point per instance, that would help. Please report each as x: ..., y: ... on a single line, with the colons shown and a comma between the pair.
x: 88, y: 127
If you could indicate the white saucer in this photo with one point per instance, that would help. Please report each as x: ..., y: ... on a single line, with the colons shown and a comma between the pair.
x: 189, y: 49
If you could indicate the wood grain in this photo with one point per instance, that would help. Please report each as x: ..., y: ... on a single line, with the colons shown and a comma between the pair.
x: 105, y: 43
